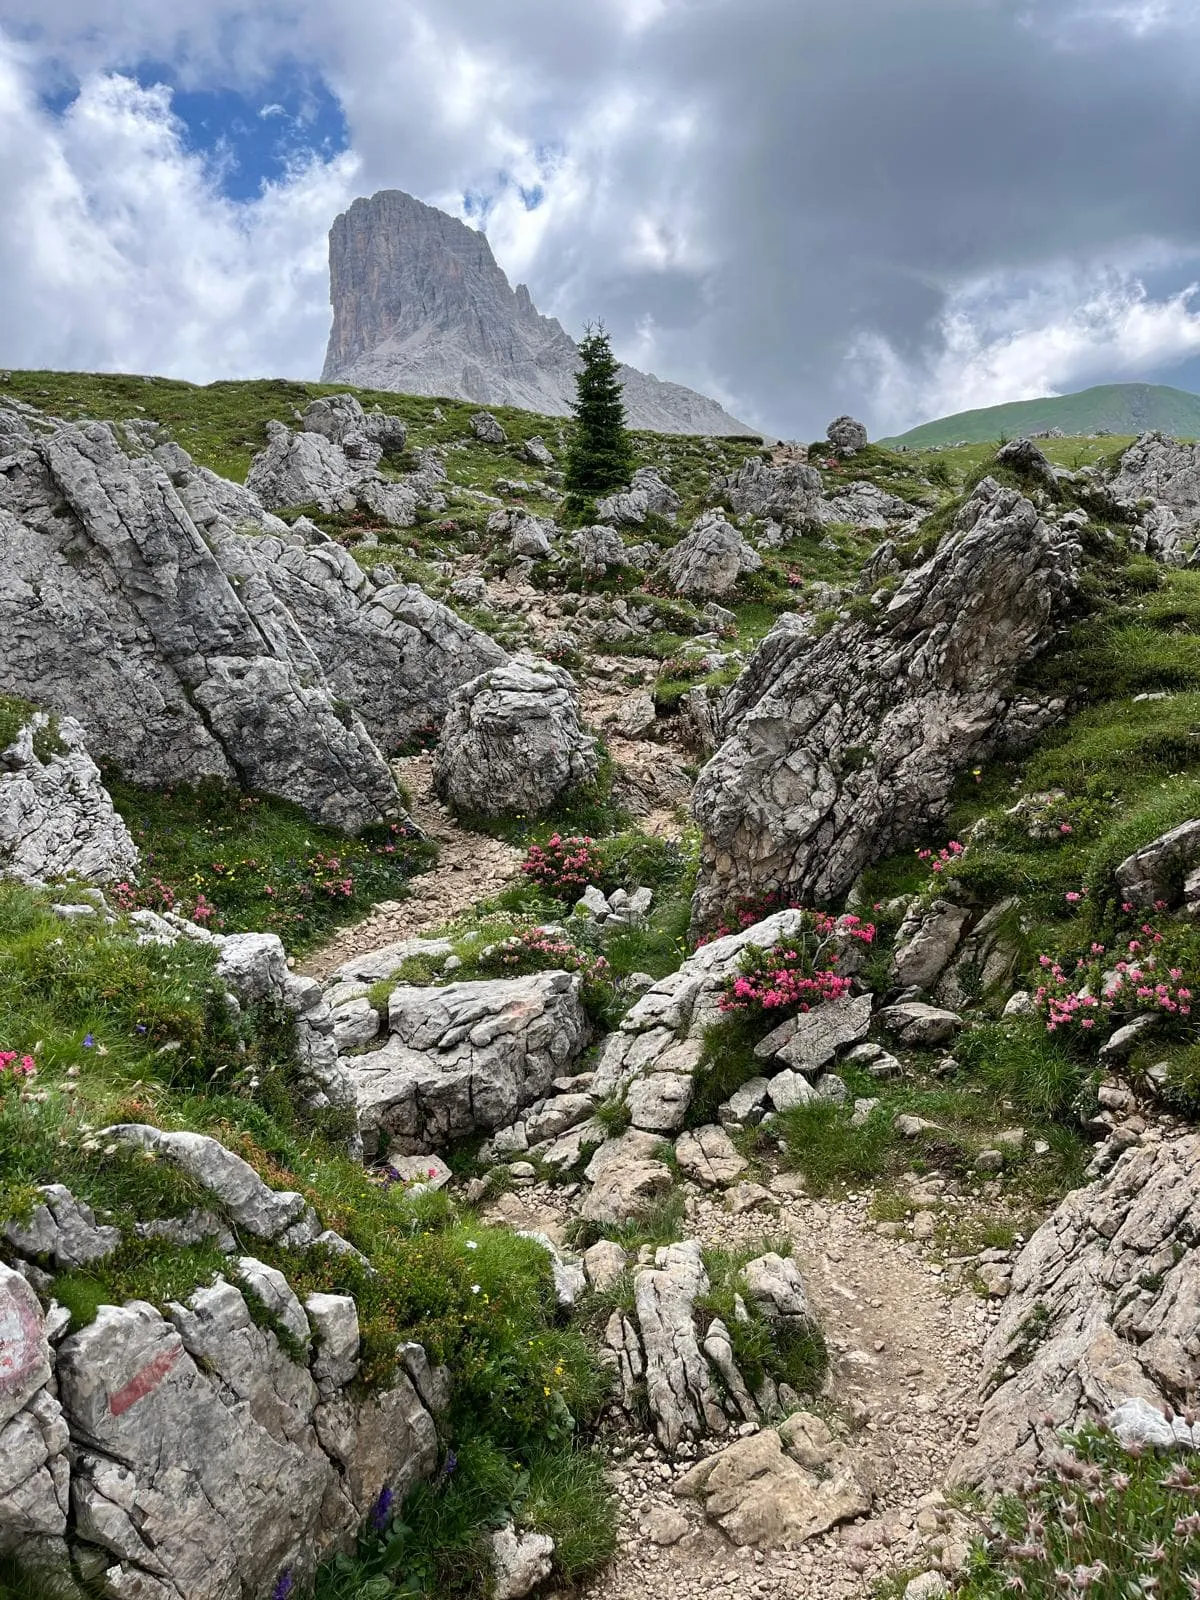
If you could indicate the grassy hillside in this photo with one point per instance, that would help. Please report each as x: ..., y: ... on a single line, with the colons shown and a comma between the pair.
x: 222, y: 425
x: 1117, y: 408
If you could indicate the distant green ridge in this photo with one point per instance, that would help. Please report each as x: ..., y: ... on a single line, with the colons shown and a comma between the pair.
x: 1119, y: 408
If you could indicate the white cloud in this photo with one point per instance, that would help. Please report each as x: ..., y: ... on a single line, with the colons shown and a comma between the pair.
x: 1066, y: 332
x: 119, y: 251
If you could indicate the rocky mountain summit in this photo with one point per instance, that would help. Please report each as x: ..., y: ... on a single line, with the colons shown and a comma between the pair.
x: 420, y: 305
x: 764, y: 1107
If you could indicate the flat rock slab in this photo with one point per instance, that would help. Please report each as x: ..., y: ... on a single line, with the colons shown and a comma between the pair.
x: 760, y: 1495
x: 708, y: 1155
x: 919, y: 1025
x: 818, y: 1035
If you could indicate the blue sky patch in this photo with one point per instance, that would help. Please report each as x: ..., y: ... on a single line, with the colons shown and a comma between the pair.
x: 248, y: 137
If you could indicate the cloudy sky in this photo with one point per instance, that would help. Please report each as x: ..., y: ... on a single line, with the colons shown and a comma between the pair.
x: 900, y: 208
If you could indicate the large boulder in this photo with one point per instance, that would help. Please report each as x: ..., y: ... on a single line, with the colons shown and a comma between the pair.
x: 467, y: 1058
x: 708, y: 563
x: 647, y: 495
x: 56, y: 817
x: 1102, y: 1311
x: 780, y: 1488
x: 1166, y: 474
x: 599, y: 548
x: 341, y: 419
x: 332, y: 462
x: 299, y: 469
x: 388, y: 649
x: 34, y: 1466
x: 513, y: 742
x: 846, y: 436
x: 839, y: 745
x: 116, y: 609
x: 788, y: 492
x: 211, y: 1460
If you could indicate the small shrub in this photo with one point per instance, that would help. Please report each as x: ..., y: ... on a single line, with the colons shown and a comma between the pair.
x: 799, y: 975
x: 564, y: 866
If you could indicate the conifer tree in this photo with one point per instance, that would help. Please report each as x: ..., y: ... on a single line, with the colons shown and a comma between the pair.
x: 600, y: 456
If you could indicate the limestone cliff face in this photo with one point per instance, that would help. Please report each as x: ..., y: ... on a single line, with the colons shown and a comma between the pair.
x: 421, y: 306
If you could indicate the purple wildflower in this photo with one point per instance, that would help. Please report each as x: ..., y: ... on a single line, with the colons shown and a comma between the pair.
x: 284, y: 1585
x: 381, y: 1513
x: 449, y: 1464
x: 89, y: 1040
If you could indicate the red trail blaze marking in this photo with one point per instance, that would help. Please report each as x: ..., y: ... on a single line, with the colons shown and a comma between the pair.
x: 147, y: 1380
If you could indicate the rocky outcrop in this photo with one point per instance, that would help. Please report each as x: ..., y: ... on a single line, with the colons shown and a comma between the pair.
x: 189, y: 1455
x: 1166, y: 473
x: 683, y: 1358
x: 387, y: 649
x: 1164, y: 872
x: 116, y: 609
x: 466, y: 1058
x: 708, y: 562
x: 332, y: 463
x: 420, y: 306
x: 513, y: 742
x: 788, y: 492
x: 1102, y: 1311
x: 647, y: 495
x: 865, y: 505
x: 840, y: 744
x: 846, y: 435
x: 56, y: 817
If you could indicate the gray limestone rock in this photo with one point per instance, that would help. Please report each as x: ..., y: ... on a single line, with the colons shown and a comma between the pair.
x: 520, y: 1562
x: 537, y: 451
x: 774, y: 1283
x: 1101, y: 1312
x: 708, y: 1156
x: 513, y: 742
x: 62, y: 1231
x: 486, y: 428
x: 647, y: 495
x: 266, y: 1213
x: 659, y: 1102
x: 788, y: 493
x: 604, y: 1262
x: 1160, y: 870
x: 598, y: 549
x: 846, y: 435
x: 680, y: 1392
x: 919, y: 1025
x: 116, y: 609
x: 299, y: 469
x: 34, y: 1465
x: 387, y: 649
x: 664, y: 1031
x: 467, y: 1057
x: 926, y: 942
x: 810, y: 1041
x: 1167, y: 473
x: 56, y: 817
x: 761, y: 1495
x: 707, y: 562
x: 420, y: 306
x: 864, y: 505
x: 205, y: 1457
x: 837, y: 745
x: 342, y: 420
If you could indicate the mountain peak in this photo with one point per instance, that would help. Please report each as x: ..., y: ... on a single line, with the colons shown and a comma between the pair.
x: 421, y: 306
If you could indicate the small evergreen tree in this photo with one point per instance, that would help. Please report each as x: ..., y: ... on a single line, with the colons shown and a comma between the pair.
x: 600, y: 455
